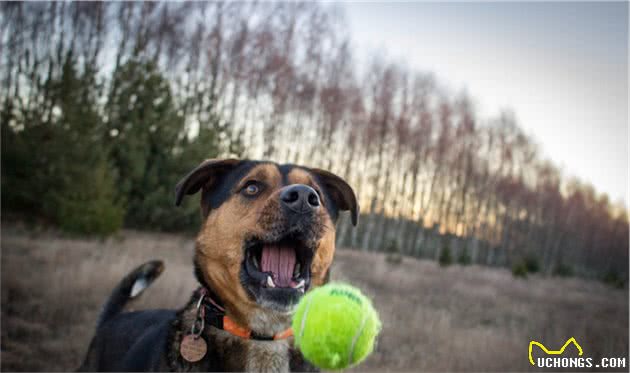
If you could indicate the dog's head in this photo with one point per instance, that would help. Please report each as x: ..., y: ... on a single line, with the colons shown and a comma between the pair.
x: 268, y: 233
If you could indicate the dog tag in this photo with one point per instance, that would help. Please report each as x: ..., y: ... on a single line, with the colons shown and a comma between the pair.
x: 193, y: 348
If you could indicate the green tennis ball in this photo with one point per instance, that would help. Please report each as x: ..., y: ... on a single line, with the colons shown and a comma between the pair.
x: 334, y: 326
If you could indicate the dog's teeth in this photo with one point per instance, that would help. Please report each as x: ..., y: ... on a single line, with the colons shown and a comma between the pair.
x: 296, y: 270
x: 301, y: 289
x: 300, y: 285
x: 270, y: 282
x: 255, y: 260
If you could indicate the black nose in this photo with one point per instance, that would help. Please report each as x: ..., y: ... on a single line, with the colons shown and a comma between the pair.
x: 300, y: 198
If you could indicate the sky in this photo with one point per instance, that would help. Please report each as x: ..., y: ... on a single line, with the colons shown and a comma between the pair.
x: 561, y: 67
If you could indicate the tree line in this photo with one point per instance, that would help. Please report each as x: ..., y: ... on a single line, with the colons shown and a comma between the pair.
x: 106, y: 105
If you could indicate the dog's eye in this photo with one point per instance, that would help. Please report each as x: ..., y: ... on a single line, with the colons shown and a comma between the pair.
x: 251, y: 189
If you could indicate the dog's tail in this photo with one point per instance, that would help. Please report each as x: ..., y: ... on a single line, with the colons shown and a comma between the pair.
x: 129, y: 288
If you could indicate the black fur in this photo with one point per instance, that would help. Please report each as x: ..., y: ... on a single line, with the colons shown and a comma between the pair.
x: 127, y: 341
x: 149, y: 340
x: 131, y: 342
x: 122, y: 293
x: 224, y: 188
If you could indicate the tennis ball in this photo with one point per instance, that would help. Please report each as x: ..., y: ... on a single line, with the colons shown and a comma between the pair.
x: 334, y: 326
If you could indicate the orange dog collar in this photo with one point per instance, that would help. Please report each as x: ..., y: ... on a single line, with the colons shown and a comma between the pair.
x: 233, y: 328
x: 217, y: 318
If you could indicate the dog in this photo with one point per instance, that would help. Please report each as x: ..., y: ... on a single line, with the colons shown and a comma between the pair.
x: 267, y: 237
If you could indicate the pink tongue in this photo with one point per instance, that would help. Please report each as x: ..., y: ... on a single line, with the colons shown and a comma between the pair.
x: 280, y: 261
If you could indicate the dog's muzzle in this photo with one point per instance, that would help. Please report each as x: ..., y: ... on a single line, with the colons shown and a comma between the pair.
x: 276, y: 268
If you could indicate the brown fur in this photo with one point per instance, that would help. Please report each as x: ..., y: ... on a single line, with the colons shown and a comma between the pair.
x: 236, y: 221
x: 237, y: 354
x: 219, y: 254
x: 219, y: 248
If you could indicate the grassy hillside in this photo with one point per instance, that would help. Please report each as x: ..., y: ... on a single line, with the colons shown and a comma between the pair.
x: 436, y: 319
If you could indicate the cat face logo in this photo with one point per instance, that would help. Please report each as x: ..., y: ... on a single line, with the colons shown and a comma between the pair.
x: 553, y: 352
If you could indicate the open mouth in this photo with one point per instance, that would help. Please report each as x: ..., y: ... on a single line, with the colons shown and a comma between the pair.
x: 278, y: 266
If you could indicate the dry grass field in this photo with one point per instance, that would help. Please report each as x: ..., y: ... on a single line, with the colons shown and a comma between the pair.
x: 434, y: 319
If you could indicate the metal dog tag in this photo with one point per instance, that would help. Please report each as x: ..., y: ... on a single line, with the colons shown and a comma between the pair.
x: 193, y: 348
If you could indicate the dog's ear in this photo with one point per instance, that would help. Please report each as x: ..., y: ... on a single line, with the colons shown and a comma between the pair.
x: 203, y: 176
x: 340, y: 191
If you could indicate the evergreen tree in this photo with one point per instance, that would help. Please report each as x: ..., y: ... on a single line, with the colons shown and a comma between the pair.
x: 54, y: 164
x: 151, y: 146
